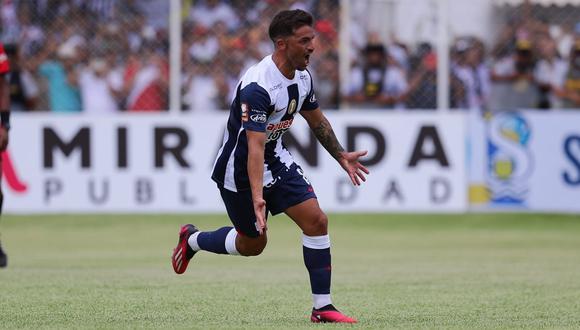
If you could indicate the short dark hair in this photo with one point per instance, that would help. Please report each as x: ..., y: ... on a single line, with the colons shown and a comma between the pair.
x: 287, y: 21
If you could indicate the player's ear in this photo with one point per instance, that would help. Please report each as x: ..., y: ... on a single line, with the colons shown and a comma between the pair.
x: 280, y: 43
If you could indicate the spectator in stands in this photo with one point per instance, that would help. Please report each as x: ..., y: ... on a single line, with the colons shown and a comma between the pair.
x: 31, y: 36
x: 101, y: 84
x: 201, y: 92
x: 61, y: 77
x: 327, y: 38
x: 258, y: 46
x: 422, y: 92
x: 146, y: 79
x: 327, y: 82
x: 571, y: 93
x: 23, y: 89
x: 549, y: 73
x: 513, y: 79
x: 204, y: 45
x: 209, y: 12
x: 377, y: 83
x: 468, y: 67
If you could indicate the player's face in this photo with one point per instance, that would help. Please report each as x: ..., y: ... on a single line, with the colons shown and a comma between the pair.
x: 300, y: 46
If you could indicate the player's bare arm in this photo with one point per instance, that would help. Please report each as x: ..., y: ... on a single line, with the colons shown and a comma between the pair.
x: 256, y: 143
x: 323, y: 131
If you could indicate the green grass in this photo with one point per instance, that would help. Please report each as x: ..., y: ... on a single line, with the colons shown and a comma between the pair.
x: 389, y: 271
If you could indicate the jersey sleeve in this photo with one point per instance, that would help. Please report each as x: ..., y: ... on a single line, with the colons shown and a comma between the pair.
x: 310, y: 103
x: 254, y: 103
x: 4, y: 66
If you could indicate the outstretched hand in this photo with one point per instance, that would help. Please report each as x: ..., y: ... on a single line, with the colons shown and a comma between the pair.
x: 356, y: 171
x: 260, y: 212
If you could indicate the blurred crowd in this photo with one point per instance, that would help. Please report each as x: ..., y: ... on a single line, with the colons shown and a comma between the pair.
x: 223, y: 38
x: 104, y: 56
x: 532, y: 65
x: 87, y: 55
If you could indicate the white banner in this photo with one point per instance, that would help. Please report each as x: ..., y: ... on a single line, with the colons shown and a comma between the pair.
x: 161, y: 163
x: 527, y: 160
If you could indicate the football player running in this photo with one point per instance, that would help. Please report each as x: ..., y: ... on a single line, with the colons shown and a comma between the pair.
x: 256, y: 174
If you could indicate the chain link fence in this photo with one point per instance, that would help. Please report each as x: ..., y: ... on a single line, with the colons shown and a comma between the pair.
x: 108, y: 56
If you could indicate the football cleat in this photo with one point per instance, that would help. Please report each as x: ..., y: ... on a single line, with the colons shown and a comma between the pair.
x: 329, y: 314
x: 183, y: 252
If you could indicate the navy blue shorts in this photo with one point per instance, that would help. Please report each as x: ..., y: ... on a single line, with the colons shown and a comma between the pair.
x: 290, y: 188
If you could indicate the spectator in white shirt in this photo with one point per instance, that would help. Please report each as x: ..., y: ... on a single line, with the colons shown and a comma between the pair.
x: 550, y: 73
x: 207, y: 13
x: 469, y: 68
x: 101, y: 85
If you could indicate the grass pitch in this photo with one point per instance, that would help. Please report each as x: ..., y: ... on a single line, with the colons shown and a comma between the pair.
x: 389, y: 271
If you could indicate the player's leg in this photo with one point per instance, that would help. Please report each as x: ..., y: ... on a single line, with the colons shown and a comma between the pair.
x: 3, y: 257
x: 243, y: 239
x: 294, y: 195
x: 316, y: 249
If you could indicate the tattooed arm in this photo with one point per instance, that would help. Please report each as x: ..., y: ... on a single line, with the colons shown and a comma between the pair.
x: 323, y: 132
x: 322, y: 129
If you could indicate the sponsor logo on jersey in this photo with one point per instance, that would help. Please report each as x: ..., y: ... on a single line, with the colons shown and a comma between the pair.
x: 277, y: 130
x: 281, y: 125
x: 292, y: 107
x: 245, y: 112
x: 303, y: 76
x: 259, y: 118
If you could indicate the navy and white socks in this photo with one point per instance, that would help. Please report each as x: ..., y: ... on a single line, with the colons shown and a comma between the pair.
x: 221, y: 241
x: 316, y: 251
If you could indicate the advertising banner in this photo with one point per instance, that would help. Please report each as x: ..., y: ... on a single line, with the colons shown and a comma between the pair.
x: 527, y: 160
x: 160, y: 163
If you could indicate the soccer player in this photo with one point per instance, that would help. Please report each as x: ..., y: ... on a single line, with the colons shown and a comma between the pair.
x: 255, y: 172
x: 4, y: 126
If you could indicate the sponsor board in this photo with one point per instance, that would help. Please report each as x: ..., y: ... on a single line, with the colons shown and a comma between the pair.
x: 160, y: 163
x: 416, y: 160
x: 527, y: 160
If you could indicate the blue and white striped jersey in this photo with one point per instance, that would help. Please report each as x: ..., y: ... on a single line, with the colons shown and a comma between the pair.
x: 265, y: 101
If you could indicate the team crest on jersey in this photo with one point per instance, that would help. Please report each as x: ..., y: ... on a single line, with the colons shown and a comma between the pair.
x: 313, y: 98
x: 292, y: 107
x: 245, y: 112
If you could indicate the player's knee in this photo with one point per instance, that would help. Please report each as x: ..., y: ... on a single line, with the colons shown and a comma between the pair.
x: 250, y: 247
x: 320, y: 225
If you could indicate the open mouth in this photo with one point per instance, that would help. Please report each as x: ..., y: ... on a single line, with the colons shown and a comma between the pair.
x: 307, y: 58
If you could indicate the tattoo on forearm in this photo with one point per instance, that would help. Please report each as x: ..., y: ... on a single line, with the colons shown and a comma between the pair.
x: 326, y: 137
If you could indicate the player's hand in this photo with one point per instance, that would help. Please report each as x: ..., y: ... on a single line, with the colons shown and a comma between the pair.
x: 260, y: 212
x: 356, y: 171
x: 3, y: 138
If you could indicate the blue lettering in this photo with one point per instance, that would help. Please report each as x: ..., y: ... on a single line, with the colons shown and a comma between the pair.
x: 575, y: 159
